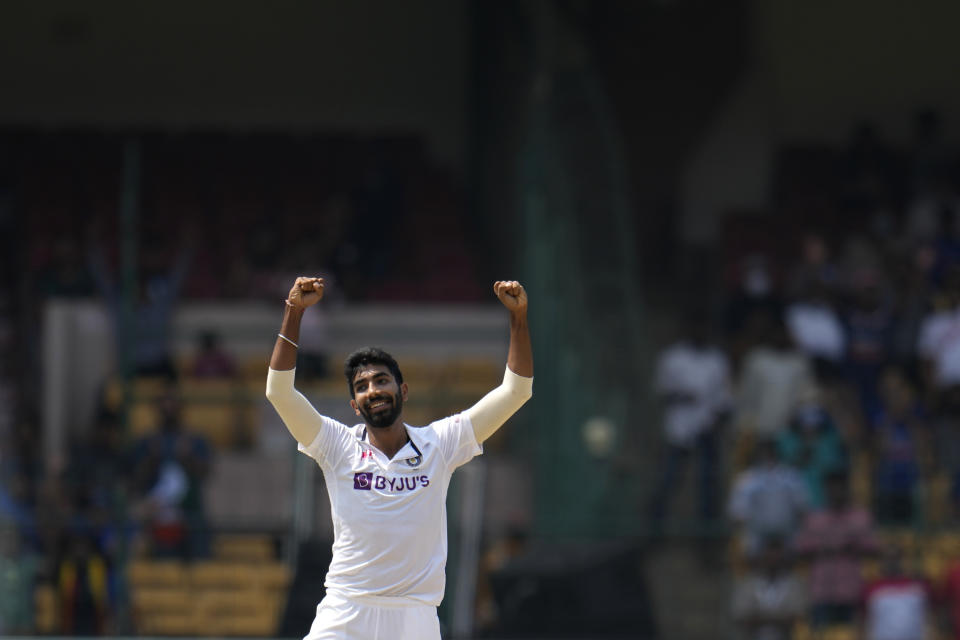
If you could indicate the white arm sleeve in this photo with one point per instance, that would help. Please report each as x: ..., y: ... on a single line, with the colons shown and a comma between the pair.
x: 302, y: 420
x: 493, y: 409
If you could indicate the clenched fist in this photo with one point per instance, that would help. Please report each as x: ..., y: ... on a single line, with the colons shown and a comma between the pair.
x: 306, y: 291
x: 511, y: 294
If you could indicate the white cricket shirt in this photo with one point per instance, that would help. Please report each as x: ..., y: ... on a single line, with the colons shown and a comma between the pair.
x: 390, y: 516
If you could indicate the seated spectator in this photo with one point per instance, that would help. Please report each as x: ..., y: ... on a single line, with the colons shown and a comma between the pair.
x: 771, y: 598
x: 896, y: 604
x: 211, y: 360
x: 835, y: 540
x: 812, y: 445
x: 169, y: 469
x: 768, y: 499
x: 772, y: 379
x: 899, y: 434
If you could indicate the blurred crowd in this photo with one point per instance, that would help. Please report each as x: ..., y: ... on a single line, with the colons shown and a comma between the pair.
x: 219, y: 217
x: 823, y: 390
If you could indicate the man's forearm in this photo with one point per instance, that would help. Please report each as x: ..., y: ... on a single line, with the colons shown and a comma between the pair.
x: 284, y: 355
x: 520, y: 354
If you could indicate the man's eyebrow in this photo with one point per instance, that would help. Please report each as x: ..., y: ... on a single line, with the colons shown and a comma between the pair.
x: 375, y: 376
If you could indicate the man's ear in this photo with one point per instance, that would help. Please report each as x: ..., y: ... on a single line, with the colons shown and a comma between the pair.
x: 403, y: 391
x: 353, y: 403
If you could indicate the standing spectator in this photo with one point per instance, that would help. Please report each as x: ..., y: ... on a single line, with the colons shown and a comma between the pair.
x: 815, y: 327
x: 950, y: 593
x: 693, y: 381
x: 900, y: 434
x: 169, y: 469
x: 158, y: 291
x: 836, y: 539
x: 774, y: 376
x: 896, y: 605
x: 83, y: 588
x: 769, y: 499
x: 938, y: 342
x: 771, y: 598
x: 813, y: 445
x: 870, y: 328
x: 18, y: 574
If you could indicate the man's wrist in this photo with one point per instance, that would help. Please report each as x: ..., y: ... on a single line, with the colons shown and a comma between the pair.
x: 518, y: 318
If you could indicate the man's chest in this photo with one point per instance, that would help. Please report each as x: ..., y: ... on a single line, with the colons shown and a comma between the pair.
x: 366, y: 476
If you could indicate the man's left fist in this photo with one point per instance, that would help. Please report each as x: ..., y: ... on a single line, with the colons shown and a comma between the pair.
x: 511, y: 294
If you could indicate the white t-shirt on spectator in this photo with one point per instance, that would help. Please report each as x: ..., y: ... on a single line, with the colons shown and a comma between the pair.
x: 702, y: 376
x: 771, y: 385
x: 817, y: 330
x: 939, y: 342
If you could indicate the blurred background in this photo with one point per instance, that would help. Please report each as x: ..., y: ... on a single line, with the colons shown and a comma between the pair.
x: 738, y: 222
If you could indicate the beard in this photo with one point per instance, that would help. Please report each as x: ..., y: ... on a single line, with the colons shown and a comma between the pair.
x: 385, y: 418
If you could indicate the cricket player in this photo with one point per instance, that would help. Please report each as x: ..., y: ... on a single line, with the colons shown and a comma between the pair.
x: 387, y: 481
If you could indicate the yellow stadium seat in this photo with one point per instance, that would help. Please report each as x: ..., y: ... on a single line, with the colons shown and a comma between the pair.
x: 157, y: 573
x: 274, y: 575
x: 250, y: 548
x: 840, y: 632
x: 162, y: 600
x: 168, y: 624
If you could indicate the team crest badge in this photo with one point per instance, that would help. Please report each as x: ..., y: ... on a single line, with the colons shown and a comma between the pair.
x: 414, y: 461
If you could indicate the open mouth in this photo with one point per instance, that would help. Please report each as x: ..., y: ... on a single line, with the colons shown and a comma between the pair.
x: 378, y: 405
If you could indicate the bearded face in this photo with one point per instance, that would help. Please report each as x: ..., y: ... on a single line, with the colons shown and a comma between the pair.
x: 377, y: 397
x: 382, y: 410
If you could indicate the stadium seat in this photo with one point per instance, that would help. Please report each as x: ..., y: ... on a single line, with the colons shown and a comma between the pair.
x: 157, y: 573
x: 249, y: 548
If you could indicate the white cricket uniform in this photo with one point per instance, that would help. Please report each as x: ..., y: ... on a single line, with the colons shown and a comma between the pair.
x: 389, y: 515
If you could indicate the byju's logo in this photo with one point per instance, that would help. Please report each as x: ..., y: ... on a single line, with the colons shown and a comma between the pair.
x: 363, y: 480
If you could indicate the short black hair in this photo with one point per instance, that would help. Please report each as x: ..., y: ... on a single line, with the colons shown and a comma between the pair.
x: 367, y: 356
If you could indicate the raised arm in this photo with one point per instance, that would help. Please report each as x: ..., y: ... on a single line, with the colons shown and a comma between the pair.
x: 297, y: 413
x: 496, y: 407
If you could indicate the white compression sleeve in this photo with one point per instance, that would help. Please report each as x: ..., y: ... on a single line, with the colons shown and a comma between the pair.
x: 302, y: 420
x: 496, y: 407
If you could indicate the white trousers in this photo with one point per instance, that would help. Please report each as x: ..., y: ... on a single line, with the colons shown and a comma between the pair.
x: 342, y: 619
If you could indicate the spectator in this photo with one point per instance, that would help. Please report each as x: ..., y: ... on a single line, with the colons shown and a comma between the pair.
x: 18, y: 573
x: 835, y: 540
x: 812, y: 445
x: 938, y: 342
x: 816, y: 329
x: 211, y: 360
x: 946, y: 443
x: 950, y: 593
x: 771, y: 598
x: 816, y: 267
x: 169, y: 469
x: 774, y: 376
x: 157, y: 294
x: 83, y: 589
x: 769, y: 499
x: 870, y: 328
x: 899, y: 434
x: 896, y: 605
x: 693, y: 382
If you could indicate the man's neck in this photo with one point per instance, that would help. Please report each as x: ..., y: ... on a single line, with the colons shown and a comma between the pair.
x: 390, y: 439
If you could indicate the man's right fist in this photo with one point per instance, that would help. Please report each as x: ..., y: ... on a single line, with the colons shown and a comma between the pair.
x: 305, y: 292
